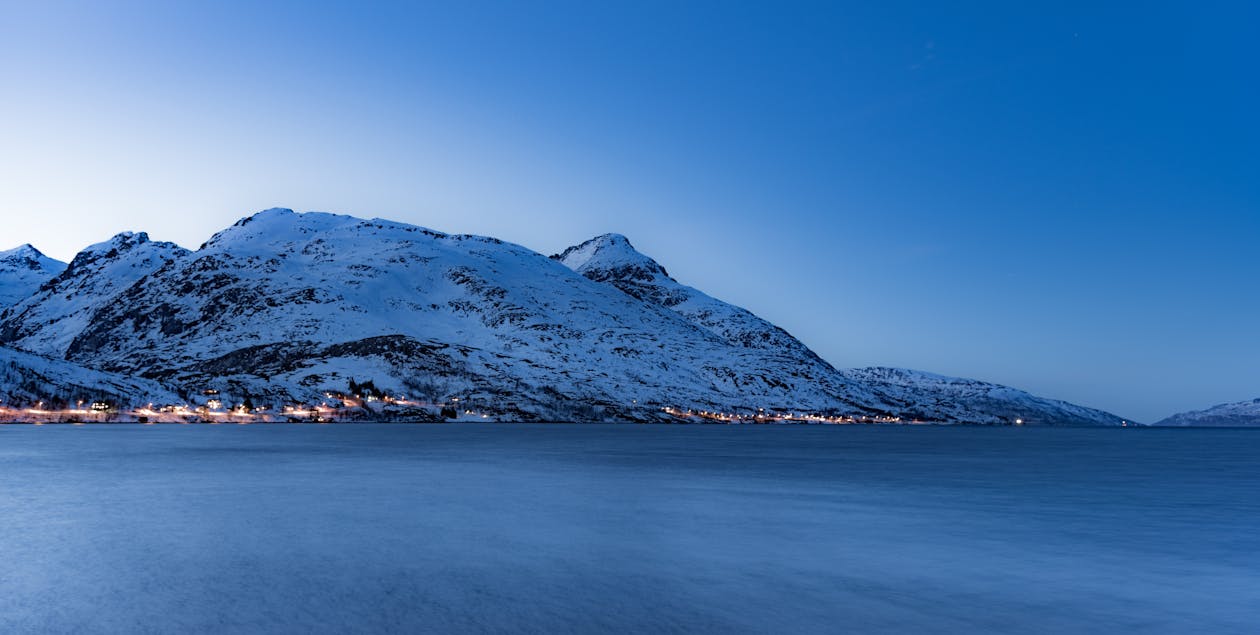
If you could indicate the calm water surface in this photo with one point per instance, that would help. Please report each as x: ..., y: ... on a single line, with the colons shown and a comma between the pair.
x: 580, y: 529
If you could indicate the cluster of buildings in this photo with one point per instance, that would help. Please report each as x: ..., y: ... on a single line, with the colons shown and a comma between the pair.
x: 761, y: 416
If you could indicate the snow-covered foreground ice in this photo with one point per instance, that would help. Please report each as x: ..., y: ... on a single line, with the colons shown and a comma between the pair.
x: 584, y: 529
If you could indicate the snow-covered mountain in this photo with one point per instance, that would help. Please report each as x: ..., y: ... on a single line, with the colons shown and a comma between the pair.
x: 928, y: 396
x: 27, y: 379
x: 22, y: 271
x: 1242, y: 413
x: 287, y: 308
x: 612, y: 259
x: 910, y: 394
x: 48, y: 320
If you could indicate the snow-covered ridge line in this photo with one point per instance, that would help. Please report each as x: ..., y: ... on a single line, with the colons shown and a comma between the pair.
x: 1240, y: 413
x: 47, y: 321
x: 285, y: 309
x: 897, y: 393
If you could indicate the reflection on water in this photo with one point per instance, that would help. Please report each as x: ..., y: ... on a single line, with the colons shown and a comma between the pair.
x: 615, y: 528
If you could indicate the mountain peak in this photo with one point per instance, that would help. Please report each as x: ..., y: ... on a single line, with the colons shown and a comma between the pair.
x: 22, y: 251
x: 128, y: 239
x: 267, y: 214
x: 613, y: 239
x: 611, y: 259
x: 27, y: 256
x: 611, y: 255
x: 267, y: 229
x: 121, y: 242
x: 22, y: 270
x: 131, y: 248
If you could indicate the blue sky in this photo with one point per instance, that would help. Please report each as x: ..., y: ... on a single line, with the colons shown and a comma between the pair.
x: 1063, y: 196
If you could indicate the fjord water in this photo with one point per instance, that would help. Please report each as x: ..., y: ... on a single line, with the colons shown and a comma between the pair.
x: 532, y: 528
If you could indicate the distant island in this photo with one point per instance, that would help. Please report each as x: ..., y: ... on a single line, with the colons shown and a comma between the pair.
x: 1242, y: 413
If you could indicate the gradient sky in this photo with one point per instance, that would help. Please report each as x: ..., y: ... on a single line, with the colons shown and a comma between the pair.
x: 1059, y: 196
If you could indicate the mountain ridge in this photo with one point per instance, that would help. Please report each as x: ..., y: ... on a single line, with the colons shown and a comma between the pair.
x: 1230, y: 414
x: 288, y: 307
x: 46, y: 321
x: 612, y: 259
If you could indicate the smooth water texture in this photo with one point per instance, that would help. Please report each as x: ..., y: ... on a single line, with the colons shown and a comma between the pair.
x: 579, y: 529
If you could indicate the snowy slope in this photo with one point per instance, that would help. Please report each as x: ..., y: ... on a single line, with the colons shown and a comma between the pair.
x: 910, y: 394
x: 1242, y: 413
x: 26, y: 379
x: 22, y: 271
x: 47, y: 321
x: 293, y: 305
x: 612, y: 259
x: 921, y: 395
x: 287, y: 308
